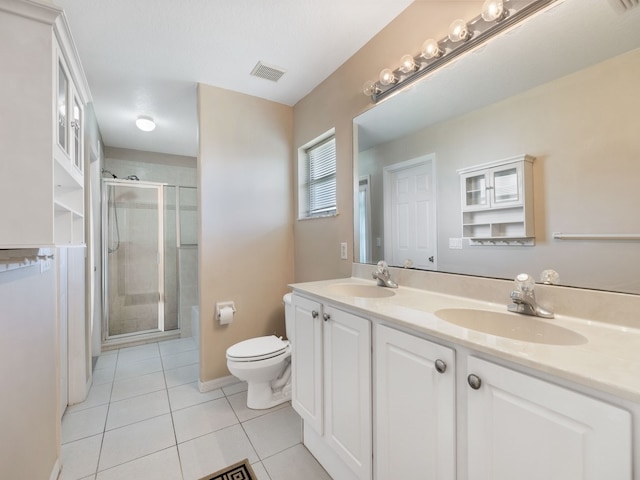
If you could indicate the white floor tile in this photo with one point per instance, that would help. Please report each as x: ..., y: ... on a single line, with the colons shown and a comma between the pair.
x: 131, y: 387
x: 204, y: 418
x: 181, y: 359
x: 188, y: 395
x: 136, y: 409
x: 102, y: 376
x: 98, y: 395
x: 239, y: 404
x: 137, y: 440
x: 79, y: 459
x: 162, y: 465
x: 107, y: 360
x: 140, y: 352
x: 295, y: 463
x: 260, y: 471
x: 235, y: 388
x: 274, y: 432
x: 210, y: 453
x: 171, y: 347
x: 182, y: 375
x: 138, y: 368
x: 84, y: 423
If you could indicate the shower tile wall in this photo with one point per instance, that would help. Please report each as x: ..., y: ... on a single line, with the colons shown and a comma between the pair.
x: 181, y: 278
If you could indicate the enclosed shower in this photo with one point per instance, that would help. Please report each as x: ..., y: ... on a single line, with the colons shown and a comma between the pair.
x: 144, y: 225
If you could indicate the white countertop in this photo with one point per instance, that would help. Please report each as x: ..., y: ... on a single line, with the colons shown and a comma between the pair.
x: 608, y: 361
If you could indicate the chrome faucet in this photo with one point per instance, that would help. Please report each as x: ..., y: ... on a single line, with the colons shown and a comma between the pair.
x: 524, y: 298
x: 383, y: 276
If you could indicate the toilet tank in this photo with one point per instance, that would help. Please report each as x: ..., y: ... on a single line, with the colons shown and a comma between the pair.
x: 288, y: 314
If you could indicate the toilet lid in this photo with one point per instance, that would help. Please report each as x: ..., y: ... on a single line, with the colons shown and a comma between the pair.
x: 257, y: 348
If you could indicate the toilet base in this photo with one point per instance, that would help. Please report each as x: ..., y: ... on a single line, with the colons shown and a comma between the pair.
x: 260, y: 396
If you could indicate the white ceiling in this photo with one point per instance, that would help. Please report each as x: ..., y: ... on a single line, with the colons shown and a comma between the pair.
x: 145, y: 57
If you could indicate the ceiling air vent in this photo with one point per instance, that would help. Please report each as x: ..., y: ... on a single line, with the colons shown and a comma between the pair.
x: 623, y: 5
x: 268, y: 72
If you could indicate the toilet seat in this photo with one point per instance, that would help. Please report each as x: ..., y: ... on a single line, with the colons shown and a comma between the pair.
x: 259, y: 348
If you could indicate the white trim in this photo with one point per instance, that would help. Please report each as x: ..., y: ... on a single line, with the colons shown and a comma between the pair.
x: 216, y: 383
x: 55, y: 472
x: 498, y: 163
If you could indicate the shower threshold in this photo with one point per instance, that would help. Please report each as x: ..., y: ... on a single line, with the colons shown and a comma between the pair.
x: 123, y: 341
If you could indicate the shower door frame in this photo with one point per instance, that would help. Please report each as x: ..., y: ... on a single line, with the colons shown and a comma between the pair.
x: 106, y: 183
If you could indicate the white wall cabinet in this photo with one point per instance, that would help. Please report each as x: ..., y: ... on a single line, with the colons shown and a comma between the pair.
x: 497, y: 202
x: 525, y: 428
x: 415, y: 407
x: 331, y: 386
x: 41, y: 128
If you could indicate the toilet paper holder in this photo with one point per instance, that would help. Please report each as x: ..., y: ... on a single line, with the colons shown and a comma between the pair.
x: 221, y: 305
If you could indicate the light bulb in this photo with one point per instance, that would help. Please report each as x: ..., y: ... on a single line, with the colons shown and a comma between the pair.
x: 431, y: 49
x: 145, y: 123
x: 493, y: 10
x: 387, y: 77
x: 458, y: 31
x: 370, y: 88
x: 408, y: 64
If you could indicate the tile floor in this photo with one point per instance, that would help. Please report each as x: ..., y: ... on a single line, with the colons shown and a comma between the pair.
x: 144, y: 418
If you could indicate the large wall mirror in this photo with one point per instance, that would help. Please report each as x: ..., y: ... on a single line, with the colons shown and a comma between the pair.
x: 563, y: 87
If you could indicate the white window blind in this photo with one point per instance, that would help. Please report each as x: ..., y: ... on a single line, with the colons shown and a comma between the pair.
x: 320, y: 176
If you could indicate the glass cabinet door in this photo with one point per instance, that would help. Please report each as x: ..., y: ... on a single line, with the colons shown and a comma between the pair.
x: 76, y: 132
x: 62, y: 107
x: 475, y: 190
x: 505, y: 186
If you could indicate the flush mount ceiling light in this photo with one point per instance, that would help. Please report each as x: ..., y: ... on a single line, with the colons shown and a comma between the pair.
x: 145, y: 123
x: 496, y: 16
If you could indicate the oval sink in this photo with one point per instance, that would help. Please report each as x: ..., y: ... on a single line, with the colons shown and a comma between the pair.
x: 363, y: 291
x: 516, y: 327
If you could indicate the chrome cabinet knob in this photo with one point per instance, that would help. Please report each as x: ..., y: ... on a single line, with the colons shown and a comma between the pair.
x: 474, y: 381
x: 441, y: 366
x: 326, y: 317
x: 314, y: 314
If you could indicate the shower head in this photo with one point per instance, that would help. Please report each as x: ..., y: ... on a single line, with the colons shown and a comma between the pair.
x: 103, y: 171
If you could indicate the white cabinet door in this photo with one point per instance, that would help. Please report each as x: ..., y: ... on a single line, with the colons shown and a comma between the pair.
x: 347, y: 351
x: 306, y: 362
x: 415, y: 407
x: 520, y: 427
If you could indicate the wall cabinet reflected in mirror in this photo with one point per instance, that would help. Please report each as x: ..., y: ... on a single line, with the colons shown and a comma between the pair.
x: 497, y: 202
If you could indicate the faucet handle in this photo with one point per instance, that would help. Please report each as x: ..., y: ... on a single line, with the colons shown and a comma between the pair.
x: 525, y: 283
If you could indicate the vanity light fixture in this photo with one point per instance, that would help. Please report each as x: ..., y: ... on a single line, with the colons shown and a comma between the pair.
x: 408, y: 64
x: 387, y: 77
x: 496, y: 16
x: 493, y: 11
x: 458, y: 31
x: 145, y: 123
x: 431, y: 49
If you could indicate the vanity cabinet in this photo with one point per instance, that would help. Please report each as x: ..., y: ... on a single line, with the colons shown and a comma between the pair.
x: 522, y: 427
x: 415, y: 407
x: 41, y: 128
x: 497, y: 202
x: 331, y: 386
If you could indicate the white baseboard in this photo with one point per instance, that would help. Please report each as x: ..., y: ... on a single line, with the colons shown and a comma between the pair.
x: 216, y: 383
x: 56, y: 470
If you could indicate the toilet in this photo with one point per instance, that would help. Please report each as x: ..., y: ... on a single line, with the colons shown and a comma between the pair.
x: 265, y: 364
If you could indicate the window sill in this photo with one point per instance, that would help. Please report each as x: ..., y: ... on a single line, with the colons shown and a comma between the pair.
x: 315, y: 217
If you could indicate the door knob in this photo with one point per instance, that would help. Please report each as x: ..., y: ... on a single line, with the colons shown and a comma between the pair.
x: 314, y: 314
x: 326, y: 317
x: 441, y: 366
x: 474, y: 381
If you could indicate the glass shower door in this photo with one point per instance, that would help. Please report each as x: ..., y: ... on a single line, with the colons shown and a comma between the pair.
x: 134, y: 258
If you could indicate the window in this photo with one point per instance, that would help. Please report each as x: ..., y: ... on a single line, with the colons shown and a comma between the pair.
x: 317, y: 178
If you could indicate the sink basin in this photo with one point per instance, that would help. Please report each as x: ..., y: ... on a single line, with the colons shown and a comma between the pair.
x: 514, y: 326
x: 363, y: 291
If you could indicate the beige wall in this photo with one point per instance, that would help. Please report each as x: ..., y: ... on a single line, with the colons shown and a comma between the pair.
x: 245, y: 238
x: 334, y: 103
